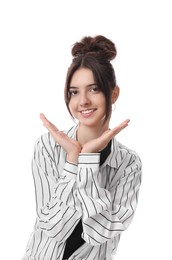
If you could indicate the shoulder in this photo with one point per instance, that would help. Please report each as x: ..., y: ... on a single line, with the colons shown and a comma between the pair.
x: 125, y: 162
x: 127, y: 152
x: 124, y: 156
x: 47, y: 144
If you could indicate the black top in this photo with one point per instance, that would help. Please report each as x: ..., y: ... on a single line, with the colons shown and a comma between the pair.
x: 75, y: 240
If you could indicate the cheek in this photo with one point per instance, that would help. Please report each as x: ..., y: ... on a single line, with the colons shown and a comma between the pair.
x: 69, y: 107
x: 72, y: 105
x: 102, y: 102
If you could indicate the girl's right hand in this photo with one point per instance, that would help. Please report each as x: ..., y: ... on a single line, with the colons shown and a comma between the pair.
x: 71, y: 146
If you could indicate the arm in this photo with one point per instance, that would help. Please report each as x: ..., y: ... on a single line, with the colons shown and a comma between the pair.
x: 106, y: 213
x: 56, y: 204
x: 100, y: 199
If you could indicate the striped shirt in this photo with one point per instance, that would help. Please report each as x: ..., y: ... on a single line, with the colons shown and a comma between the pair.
x: 103, y: 197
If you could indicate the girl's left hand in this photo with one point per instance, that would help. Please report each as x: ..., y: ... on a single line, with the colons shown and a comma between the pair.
x: 98, y: 144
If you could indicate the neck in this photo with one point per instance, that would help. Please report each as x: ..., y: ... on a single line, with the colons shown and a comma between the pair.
x: 87, y: 133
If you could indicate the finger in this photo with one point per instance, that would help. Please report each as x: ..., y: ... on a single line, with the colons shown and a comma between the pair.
x: 122, y: 125
x: 44, y: 119
x: 48, y: 124
x: 111, y: 133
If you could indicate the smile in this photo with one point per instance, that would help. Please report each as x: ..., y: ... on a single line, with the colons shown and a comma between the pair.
x: 87, y: 111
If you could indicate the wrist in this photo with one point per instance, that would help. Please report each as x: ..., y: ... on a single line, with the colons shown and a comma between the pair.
x: 87, y: 151
x: 73, y: 158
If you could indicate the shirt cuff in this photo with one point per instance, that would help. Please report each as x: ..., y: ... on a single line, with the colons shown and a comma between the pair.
x: 89, y: 158
x: 70, y: 169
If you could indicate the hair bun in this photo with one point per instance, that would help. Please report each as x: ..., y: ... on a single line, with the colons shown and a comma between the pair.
x: 97, y: 46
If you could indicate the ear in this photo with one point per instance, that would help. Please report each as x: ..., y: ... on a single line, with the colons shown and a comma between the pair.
x: 115, y: 94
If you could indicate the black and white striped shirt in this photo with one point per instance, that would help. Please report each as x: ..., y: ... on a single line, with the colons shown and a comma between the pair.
x: 104, y: 197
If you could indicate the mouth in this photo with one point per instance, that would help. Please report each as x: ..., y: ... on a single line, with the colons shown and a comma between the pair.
x: 87, y: 112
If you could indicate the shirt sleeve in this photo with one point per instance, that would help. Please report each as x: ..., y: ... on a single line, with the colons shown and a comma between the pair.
x: 106, y: 213
x: 56, y: 203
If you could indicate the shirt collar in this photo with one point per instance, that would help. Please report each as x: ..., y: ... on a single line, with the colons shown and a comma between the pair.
x: 112, y: 158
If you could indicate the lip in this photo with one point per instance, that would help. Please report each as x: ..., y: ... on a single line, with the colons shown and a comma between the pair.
x: 87, y: 112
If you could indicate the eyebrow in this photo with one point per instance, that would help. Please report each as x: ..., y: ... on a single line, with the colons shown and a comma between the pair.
x: 89, y: 85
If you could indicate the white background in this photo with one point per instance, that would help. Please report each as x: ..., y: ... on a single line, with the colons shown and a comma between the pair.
x: 35, y: 43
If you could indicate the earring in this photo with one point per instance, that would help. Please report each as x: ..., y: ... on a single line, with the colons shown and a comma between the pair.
x: 113, y: 106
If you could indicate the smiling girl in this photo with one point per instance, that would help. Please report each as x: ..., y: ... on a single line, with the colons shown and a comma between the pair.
x: 86, y: 182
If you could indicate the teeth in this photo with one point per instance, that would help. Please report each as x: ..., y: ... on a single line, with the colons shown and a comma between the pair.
x: 87, y: 111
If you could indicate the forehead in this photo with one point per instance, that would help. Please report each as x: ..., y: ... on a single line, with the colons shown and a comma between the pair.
x: 82, y: 77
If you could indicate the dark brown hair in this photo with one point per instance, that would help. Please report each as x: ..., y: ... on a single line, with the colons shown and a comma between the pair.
x: 94, y: 53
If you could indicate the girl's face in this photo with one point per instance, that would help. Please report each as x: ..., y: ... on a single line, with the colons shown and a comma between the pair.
x: 87, y: 103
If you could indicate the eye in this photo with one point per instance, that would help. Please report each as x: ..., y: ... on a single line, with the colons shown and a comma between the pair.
x: 72, y: 92
x: 95, y: 89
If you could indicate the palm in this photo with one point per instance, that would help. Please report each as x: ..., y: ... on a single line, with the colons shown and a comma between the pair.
x: 73, y: 147
x: 61, y: 138
x: 98, y: 144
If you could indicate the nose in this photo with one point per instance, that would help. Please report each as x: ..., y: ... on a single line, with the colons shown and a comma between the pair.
x: 84, y: 99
